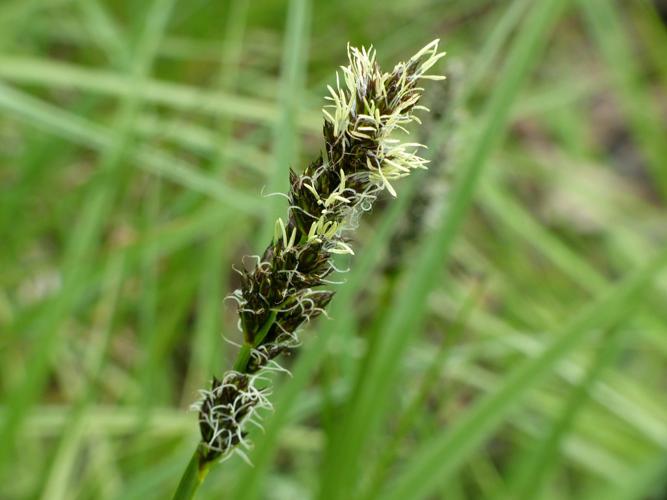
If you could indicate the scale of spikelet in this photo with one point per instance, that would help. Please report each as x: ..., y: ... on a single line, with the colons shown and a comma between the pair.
x: 283, y: 291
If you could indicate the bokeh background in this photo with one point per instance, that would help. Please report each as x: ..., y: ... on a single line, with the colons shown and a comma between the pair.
x: 502, y: 333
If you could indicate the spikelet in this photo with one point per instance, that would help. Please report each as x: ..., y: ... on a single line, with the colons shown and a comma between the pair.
x: 366, y: 113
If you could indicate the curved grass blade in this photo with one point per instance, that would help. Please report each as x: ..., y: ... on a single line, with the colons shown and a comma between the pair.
x: 439, y: 459
x: 538, y: 465
x: 150, y: 159
x: 85, y: 237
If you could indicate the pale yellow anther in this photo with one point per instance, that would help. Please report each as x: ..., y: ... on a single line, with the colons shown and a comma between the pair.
x: 281, y: 232
x: 312, y: 232
x: 292, y: 240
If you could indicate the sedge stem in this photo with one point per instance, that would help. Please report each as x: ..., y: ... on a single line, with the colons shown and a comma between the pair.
x: 243, y: 357
x: 193, y: 476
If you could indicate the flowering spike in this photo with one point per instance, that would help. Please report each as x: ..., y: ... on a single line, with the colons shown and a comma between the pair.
x: 366, y: 111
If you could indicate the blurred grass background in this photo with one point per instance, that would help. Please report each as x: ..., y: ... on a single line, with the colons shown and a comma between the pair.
x: 502, y: 333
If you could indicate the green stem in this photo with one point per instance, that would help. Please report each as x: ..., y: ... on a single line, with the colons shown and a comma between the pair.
x: 193, y: 476
x: 265, y: 328
x: 242, y: 358
x: 241, y: 363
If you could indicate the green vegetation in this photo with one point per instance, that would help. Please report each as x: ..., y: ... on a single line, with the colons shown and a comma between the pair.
x: 501, y: 334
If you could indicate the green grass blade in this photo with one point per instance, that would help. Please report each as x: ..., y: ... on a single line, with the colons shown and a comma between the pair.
x: 414, y: 409
x: 645, y: 482
x: 102, y: 29
x: 208, y: 350
x: 494, y: 44
x: 292, y: 86
x: 72, y: 434
x: 538, y: 465
x: 54, y: 74
x: 437, y: 460
x: 85, y: 237
x: 646, y: 124
x: 148, y: 158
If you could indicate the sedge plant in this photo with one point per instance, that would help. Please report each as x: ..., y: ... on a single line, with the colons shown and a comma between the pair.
x: 285, y: 289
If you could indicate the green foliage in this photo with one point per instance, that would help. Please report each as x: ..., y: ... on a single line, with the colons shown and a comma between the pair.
x: 511, y: 344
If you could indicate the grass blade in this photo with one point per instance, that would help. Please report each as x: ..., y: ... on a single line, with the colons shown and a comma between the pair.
x: 54, y: 74
x: 647, y: 126
x: 535, y: 471
x: 85, y: 237
x: 440, y: 458
x: 292, y: 86
x: 150, y: 159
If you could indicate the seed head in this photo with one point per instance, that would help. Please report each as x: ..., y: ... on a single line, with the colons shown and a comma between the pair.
x: 362, y: 156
